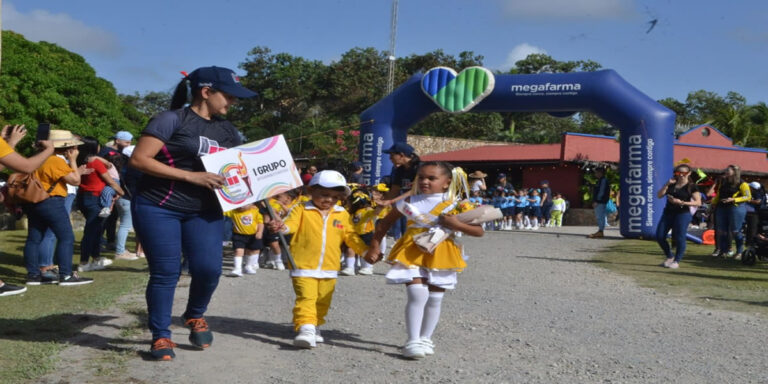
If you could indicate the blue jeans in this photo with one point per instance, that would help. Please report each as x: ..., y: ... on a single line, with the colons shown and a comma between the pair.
x: 600, y: 215
x: 165, y: 235
x: 90, y: 245
x: 730, y: 218
x: 49, y: 240
x: 49, y: 213
x: 678, y: 223
x: 123, y: 207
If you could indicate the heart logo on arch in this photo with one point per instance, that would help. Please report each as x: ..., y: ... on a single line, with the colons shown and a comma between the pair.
x: 460, y: 92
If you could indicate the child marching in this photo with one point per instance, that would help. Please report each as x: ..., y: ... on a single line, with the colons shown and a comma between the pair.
x: 430, y: 209
x: 246, y: 238
x: 318, y: 228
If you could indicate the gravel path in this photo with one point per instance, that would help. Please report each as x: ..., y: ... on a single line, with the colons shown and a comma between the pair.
x: 531, y: 308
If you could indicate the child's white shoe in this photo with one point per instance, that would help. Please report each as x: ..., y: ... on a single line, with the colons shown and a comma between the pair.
x: 235, y: 273
x: 251, y: 269
x: 428, y: 345
x: 318, y: 337
x: 413, y: 349
x: 105, y: 212
x: 367, y: 271
x: 306, y: 337
x: 279, y: 266
x: 348, y: 271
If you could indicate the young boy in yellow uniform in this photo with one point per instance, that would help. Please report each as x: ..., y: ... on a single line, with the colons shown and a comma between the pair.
x: 318, y: 228
x: 246, y: 238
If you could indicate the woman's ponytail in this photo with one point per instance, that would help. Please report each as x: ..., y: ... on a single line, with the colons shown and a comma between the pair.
x: 180, y: 95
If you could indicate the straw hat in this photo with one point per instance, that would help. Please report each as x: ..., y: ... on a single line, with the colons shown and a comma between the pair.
x: 63, y: 139
x: 477, y: 175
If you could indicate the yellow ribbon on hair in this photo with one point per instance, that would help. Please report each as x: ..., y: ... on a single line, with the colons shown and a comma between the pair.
x: 459, y: 186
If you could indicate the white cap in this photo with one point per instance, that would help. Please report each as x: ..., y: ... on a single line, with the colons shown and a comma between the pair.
x: 330, y: 179
x: 128, y: 151
x: 755, y: 185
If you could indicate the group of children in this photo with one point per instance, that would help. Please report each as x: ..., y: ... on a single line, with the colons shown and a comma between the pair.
x: 332, y: 224
x: 522, y: 209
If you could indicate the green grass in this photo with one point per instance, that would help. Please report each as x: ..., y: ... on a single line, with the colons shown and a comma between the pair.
x: 35, y: 326
x: 704, y: 280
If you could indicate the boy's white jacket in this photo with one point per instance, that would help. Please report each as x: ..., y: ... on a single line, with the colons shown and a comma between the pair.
x: 316, y: 240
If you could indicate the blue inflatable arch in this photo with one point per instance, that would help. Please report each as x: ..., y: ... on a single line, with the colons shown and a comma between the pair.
x: 646, y: 127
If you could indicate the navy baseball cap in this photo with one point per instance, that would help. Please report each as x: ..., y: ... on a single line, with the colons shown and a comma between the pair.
x: 220, y: 79
x: 501, y: 176
x: 356, y: 165
x: 400, y: 147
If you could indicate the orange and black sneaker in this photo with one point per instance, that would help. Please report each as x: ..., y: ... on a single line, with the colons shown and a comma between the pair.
x: 162, y: 349
x: 201, y: 336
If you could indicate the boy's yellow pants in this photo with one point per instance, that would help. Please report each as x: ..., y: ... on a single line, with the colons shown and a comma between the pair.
x: 313, y: 298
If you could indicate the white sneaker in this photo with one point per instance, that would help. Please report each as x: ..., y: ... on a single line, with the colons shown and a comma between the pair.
x: 668, y: 262
x: 251, y: 269
x: 674, y: 265
x: 535, y: 228
x: 528, y: 227
x: 279, y: 266
x: 87, y: 267
x: 269, y: 264
x: 413, y: 349
x: 366, y: 271
x: 102, y: 262
x: 235, y: 273
x: 92, y: 266
x: 306, y: 337
x: 348, y: 271
x: 105, y: 212
x: 126, y: 256
x: 318, y: 337
x: 428, y: 345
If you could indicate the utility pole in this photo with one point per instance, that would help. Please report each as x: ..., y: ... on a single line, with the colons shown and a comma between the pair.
x: 392, y: 39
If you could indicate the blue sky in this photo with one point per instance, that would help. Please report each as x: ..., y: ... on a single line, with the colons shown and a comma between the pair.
x: 142, y: 45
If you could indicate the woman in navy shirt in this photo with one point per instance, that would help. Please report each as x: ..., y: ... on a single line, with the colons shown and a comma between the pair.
x: 175, y: 210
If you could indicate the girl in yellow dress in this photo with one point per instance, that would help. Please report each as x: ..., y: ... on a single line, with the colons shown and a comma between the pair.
x: 434, y: 200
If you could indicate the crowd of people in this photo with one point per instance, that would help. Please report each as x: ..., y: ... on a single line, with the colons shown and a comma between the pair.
x: 75, y: 173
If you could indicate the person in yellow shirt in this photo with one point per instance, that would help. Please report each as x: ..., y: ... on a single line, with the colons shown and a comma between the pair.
x: 318, y: 229
x: 247, y: 232
x: 364, y: 217
x: 281, y: 204
x: 10, y: 159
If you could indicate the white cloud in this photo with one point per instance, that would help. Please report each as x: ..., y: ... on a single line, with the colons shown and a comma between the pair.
x: 520, y: 52
x: 61, y: 29
x: 569, y: 9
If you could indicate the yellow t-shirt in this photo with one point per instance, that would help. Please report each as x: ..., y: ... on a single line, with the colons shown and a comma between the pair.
x: 51, y: 173
x: 245, y: 222
x: 364, y: 220
x: 5, y: 149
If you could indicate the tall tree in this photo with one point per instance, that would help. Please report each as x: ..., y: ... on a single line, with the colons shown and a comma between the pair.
x: 43, y: 82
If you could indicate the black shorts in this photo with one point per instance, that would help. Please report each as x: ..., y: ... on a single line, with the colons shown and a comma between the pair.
x: 508, y: 211
x: 367, y: 237
x: 249, y: 242
x: 270, y: 237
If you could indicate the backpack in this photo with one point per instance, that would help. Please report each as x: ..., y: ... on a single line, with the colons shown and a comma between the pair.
x: 25, y: 188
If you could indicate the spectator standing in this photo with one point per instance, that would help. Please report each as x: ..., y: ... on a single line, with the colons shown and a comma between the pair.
x: 356, y: 173
x: 682, y: 194
x: 307, y: 176
x: 546, y: 201
x: 175, y: 209
x: 731, y: 209
x: 54, y: 175
x: 406, y: 162
x: 477, y: 182
x: 601, y: 192
x: 88, y: 202
x: 9, y: 158
x: 120, y: 141
x: 753, y: 208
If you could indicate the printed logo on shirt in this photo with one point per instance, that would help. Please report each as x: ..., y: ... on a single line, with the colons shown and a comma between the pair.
x: 337, y: 224
x: 208, y: 146
x: 246, y: 220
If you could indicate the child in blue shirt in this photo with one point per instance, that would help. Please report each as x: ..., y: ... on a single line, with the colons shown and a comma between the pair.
x: 521, y: 205
x: 534, y: 211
